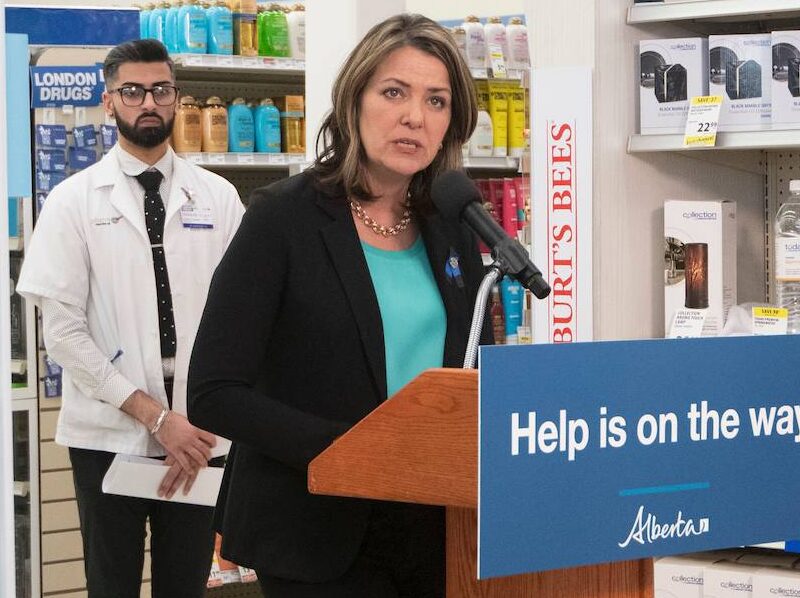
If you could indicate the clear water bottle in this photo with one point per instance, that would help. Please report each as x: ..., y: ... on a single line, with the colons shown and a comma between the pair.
x: 787, y: 257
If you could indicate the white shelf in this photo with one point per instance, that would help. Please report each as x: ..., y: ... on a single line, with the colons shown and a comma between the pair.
x: 720, y: 10
x: 15, y: 244
x: 238, y: 69
x: 504, y: 163
x: 244, y: 160
x: 748, y: 140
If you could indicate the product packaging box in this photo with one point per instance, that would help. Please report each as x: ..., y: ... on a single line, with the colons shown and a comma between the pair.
x: 739, y: 71
x: 699, y: 264
x: 777, y: 582
x: 671, y: 72
x: 682, y: 576
x: 725, y: 579
x: 786, y: 80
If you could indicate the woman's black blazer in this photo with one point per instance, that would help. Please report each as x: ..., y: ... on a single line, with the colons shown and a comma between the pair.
x: 289, y: 355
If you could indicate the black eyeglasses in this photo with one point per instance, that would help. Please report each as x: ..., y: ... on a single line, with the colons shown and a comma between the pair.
x: 134, y: 95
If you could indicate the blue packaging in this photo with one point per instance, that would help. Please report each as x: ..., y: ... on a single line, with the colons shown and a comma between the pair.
x: 51, y: 367
x: 512, y: 296
x: 144, y: 23
x: 13, y: 217
x: 171, y: 28
x: 241, y: 133
x: 267, y: 119
x: 51, y: 135
x: 84, y: 136
x: 45, y: 181
x: 108, y: 136
x: 81, y: 158
x: 51, y: 160
x: 40, y: 197
x: 192, y: 29
x: 52, y: 387
x: 220, y: 29
x: 158, y: 23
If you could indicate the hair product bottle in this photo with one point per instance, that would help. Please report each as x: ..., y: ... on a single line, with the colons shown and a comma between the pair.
x: 273, y: 32
x: 220, y: 28
x: 496, y: 40
x: 296, y: 20
x: 241, y: 134
x: 215, y: 126
x: 144, y: 20
x: 476, y: 43
x: 158, y: 22
x: 518, y: 53
x: 171, y: 27
x: 192, y: 28
x: 268, y: 127
x: 245, y: 39
x: 292, y: 124
x: 460, y: 37
x: 187, y: 135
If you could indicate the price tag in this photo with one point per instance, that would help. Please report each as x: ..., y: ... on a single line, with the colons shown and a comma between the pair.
x: 244, y: 158
x: 687, y: 323
x: 247, y: 575
x: 770, y: 320
x: 194, y: 158
x: 250, y: 62
x: 701, y: 125
x: 498, y: 61
x: 216, y: 158
x: 277, y: 158
x: 193, y: 60
x: 224, y: 61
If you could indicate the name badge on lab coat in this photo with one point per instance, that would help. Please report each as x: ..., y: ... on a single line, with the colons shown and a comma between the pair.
x: 195, y: 217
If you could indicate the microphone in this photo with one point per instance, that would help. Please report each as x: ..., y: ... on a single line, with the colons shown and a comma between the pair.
x: 457, y: 197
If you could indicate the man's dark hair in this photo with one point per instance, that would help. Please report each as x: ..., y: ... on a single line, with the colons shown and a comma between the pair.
x: 138, y: 50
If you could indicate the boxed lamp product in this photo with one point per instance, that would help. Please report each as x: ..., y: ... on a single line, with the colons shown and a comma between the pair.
x: 739, y: 69
x: 671, y: 72
x: 786, y: 80
x: 699, y: 261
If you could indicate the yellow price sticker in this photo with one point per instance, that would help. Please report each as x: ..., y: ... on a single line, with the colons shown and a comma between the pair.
x: 770, y: 312
x: 702, y: 121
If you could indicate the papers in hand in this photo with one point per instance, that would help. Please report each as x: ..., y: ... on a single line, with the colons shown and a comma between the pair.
x: 140, y: 477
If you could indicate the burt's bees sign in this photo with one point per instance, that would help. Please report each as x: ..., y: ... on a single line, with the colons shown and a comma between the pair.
x: 562, y: 202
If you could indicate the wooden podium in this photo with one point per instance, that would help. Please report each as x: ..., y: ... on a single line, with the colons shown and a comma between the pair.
x: 421, y: 446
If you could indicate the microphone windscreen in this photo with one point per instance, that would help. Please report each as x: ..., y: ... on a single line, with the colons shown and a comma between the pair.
x: 452, y: 191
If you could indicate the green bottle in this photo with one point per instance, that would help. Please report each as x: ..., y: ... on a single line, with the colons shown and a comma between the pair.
x: 273, y: 32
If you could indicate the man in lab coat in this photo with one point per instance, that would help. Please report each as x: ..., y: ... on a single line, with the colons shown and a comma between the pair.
x: 120, y: 263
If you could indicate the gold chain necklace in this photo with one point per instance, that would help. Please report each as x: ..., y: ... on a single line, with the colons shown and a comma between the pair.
x: 379, y: 229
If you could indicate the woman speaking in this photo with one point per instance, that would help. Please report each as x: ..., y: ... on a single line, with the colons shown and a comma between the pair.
x: 340, y: 286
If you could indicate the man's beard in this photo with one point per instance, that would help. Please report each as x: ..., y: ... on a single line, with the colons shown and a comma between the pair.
x: 146, y: 137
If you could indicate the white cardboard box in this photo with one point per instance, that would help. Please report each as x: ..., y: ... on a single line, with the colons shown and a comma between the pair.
x: 740, y: 70
x: 785, y: 79
x: 704, y: 285
x: 682, y: 576
x: 671, y: 72
x: 726, y: 579
x: 773, y: 582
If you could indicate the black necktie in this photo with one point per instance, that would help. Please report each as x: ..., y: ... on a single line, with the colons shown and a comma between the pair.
x: 154, y: 216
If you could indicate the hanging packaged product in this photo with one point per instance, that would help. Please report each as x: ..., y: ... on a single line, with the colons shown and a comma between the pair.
x: 187, y: 132
x: 476, y: 45
x: 215, y: 126
x: 293, y: 132
x: 45, y: 181
x: 144, y: 21
x: 241, y: 134
x: 516, y: 117
x: 192, y: 28
x: 498, y: 110
x: 171, y: 27
x: 518, y: 58
x: 84, y: 136
x: 496, y: 47
x: 482, y: 140
x: 268, y: 127
x: 296, y: 20
x: 245, y: 38
x: 220, y: 29
x: 50, y: 160
x: 51, y: 136
x: 157, y: 27
x: 273, y: 32
x: 108, y: 136
x: 81, y: 158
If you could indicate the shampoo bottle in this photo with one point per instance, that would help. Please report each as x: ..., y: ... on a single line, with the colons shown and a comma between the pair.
x: 158, y: 22
x: 245, y: 41
x: 171, y: 27
x: 476, y: 43
x: 273, y: 32
x: 144, y: 21
x: 296, y: 20
x: 268, y: 127
x: 220, y: 29
x: 241, y: 134
x: 215, y: 126
x: 518, y: 53
x: 496, y: 42
x: 187, y: 134
x: 192, y: 28
x: 511, y: 293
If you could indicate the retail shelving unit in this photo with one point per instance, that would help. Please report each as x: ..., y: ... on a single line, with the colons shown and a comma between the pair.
x: 718, y: 10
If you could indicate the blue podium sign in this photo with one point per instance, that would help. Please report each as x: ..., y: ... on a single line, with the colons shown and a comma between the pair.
x: 599, y: 452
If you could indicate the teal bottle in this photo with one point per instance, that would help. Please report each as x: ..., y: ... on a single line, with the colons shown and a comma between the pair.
x: 220, y: 29
x: 192, y: 29
x: 267, y: 119
x: 241, y: 132
x: 144, y: 21
x: 158, y: 22
x: 171, y: 27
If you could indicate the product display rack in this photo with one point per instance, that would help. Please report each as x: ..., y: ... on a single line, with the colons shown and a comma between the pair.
x: 744, y: 140
x: 720, y: 10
